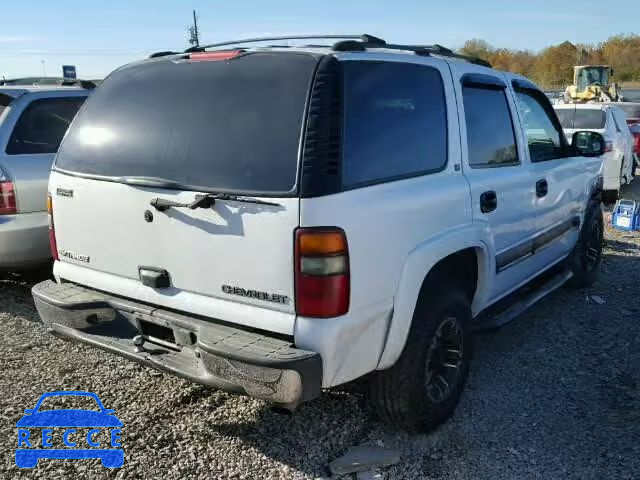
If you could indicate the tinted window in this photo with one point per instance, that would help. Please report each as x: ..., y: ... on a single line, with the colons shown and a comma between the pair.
x: 581, y: 118
x: 631, y: 111
x: 490, y: 137
x: 395, y: 122
x: 5, y: 100
x: 543, y: 137
x: 589, y: 119
x: 566, y: 117
x: 230, y: 125
x: 42, y: 125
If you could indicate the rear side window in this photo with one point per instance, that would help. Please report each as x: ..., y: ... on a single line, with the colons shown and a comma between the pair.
x: 395, y: 122
x: 631, y: 111
x: 491, y: 139
x: 5, y: 100
x: 42, y: 125
x: 231, y: 125
x: 566, y: 117
x: 589, y: 119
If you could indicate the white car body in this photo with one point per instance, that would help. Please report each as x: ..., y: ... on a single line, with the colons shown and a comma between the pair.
x: 397, y: 230
x: 618, y: 163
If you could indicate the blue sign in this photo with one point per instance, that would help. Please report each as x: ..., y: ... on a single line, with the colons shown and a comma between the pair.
x: 69, y: 71
x: 32, y: 446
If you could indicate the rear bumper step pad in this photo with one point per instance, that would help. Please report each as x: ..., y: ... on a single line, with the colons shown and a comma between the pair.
x: 204, y: 352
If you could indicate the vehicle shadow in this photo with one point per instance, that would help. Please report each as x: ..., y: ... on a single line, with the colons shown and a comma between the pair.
x: 560, y: 383
x: 308, y: 439
x: 232, y: 222
x: 15, y: 288
x: 621, y: 246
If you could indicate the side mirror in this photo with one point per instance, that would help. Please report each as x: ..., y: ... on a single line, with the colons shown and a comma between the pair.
x: 109, y: 411
x: 588, y: 144
x: 29, y: 410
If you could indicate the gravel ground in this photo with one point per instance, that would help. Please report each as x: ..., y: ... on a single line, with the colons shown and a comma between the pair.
x: 555, y: 394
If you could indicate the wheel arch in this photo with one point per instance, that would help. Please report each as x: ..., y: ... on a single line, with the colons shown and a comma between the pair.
x: 451, y: 254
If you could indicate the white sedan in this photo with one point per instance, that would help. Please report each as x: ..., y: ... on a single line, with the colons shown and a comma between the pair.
x: 610, y: 121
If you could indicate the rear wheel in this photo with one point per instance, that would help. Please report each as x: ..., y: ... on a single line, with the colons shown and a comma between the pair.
x: 424, y: 386
x: 587, y: 254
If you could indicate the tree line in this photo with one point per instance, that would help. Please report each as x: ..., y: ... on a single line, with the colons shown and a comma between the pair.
x: 553, y: 66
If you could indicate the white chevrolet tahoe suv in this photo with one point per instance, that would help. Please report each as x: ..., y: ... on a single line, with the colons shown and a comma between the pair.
x: 277, y: 220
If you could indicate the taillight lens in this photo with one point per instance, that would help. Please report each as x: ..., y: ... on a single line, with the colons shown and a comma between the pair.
x: 52, y: 231
x: 608, y: 146
x: 321, y: 272
x: 214, y: 56
x: 636, y: 137
x: 8, y: 204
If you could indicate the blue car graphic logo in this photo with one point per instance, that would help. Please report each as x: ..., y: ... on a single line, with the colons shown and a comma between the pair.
x: 28, y: 453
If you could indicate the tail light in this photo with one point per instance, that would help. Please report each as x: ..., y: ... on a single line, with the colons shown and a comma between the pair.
x: 608, y: 147
x: 214, y: 56
x: 636, y: 138
x: 321, y: 272
x: 52, y: 230
x: 8, y: 204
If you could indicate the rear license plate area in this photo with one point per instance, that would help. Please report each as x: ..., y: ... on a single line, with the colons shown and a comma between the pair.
x: 158, y: 334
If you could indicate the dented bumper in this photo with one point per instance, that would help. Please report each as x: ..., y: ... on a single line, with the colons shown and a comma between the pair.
x: 204, y: 351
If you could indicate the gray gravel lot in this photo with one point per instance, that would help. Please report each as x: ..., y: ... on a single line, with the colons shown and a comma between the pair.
x: 555, y: 394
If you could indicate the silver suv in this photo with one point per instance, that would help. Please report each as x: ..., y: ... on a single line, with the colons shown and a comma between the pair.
x: 33, y: 121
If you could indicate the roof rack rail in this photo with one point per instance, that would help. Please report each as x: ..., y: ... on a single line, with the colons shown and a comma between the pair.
x: 163, y: 54
x: 424, y: 50
x: 365, y: 38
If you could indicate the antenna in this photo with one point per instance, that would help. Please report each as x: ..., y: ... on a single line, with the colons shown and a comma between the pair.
x: 194, y: 33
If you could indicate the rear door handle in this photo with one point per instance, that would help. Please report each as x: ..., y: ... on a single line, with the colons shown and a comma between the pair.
x: 542, y: 188
x: 488, y: 201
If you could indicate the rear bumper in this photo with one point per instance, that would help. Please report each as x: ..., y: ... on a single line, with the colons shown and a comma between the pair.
x: 24, y: 240
x: 198, y: 350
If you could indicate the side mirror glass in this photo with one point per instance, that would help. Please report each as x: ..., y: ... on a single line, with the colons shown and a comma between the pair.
x: 588, y: 144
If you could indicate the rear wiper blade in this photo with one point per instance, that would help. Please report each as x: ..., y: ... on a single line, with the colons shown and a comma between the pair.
x: 207, y: 200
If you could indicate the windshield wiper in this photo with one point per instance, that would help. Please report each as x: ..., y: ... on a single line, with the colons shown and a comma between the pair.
x: 207, y: 200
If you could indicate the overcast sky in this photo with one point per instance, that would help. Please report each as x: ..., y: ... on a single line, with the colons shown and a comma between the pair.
x: 100, y: 36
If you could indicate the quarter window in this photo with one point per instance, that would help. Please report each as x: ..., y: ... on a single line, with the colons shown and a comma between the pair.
x: 42, y: 125
x: 491, y: 139
x: 543, y: 136
x: 395, y: 122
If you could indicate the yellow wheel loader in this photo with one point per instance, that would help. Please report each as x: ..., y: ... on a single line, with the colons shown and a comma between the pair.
x: 592, y: 83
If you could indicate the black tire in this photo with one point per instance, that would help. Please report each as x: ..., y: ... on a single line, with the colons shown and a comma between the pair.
x: 406, y: 395
x: 587, y: 254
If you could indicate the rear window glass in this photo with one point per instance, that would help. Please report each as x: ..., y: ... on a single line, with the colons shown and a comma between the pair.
x: 395, y: 122
x: 42, y: 125
x: 590, y: 119
x: 631, y: 111
x: 230, y: 125
x: 5, y: 100
x: 565, y: 115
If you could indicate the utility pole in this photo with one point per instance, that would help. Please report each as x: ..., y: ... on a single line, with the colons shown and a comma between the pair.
x: 44, y: 68
x: 194, y: 33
